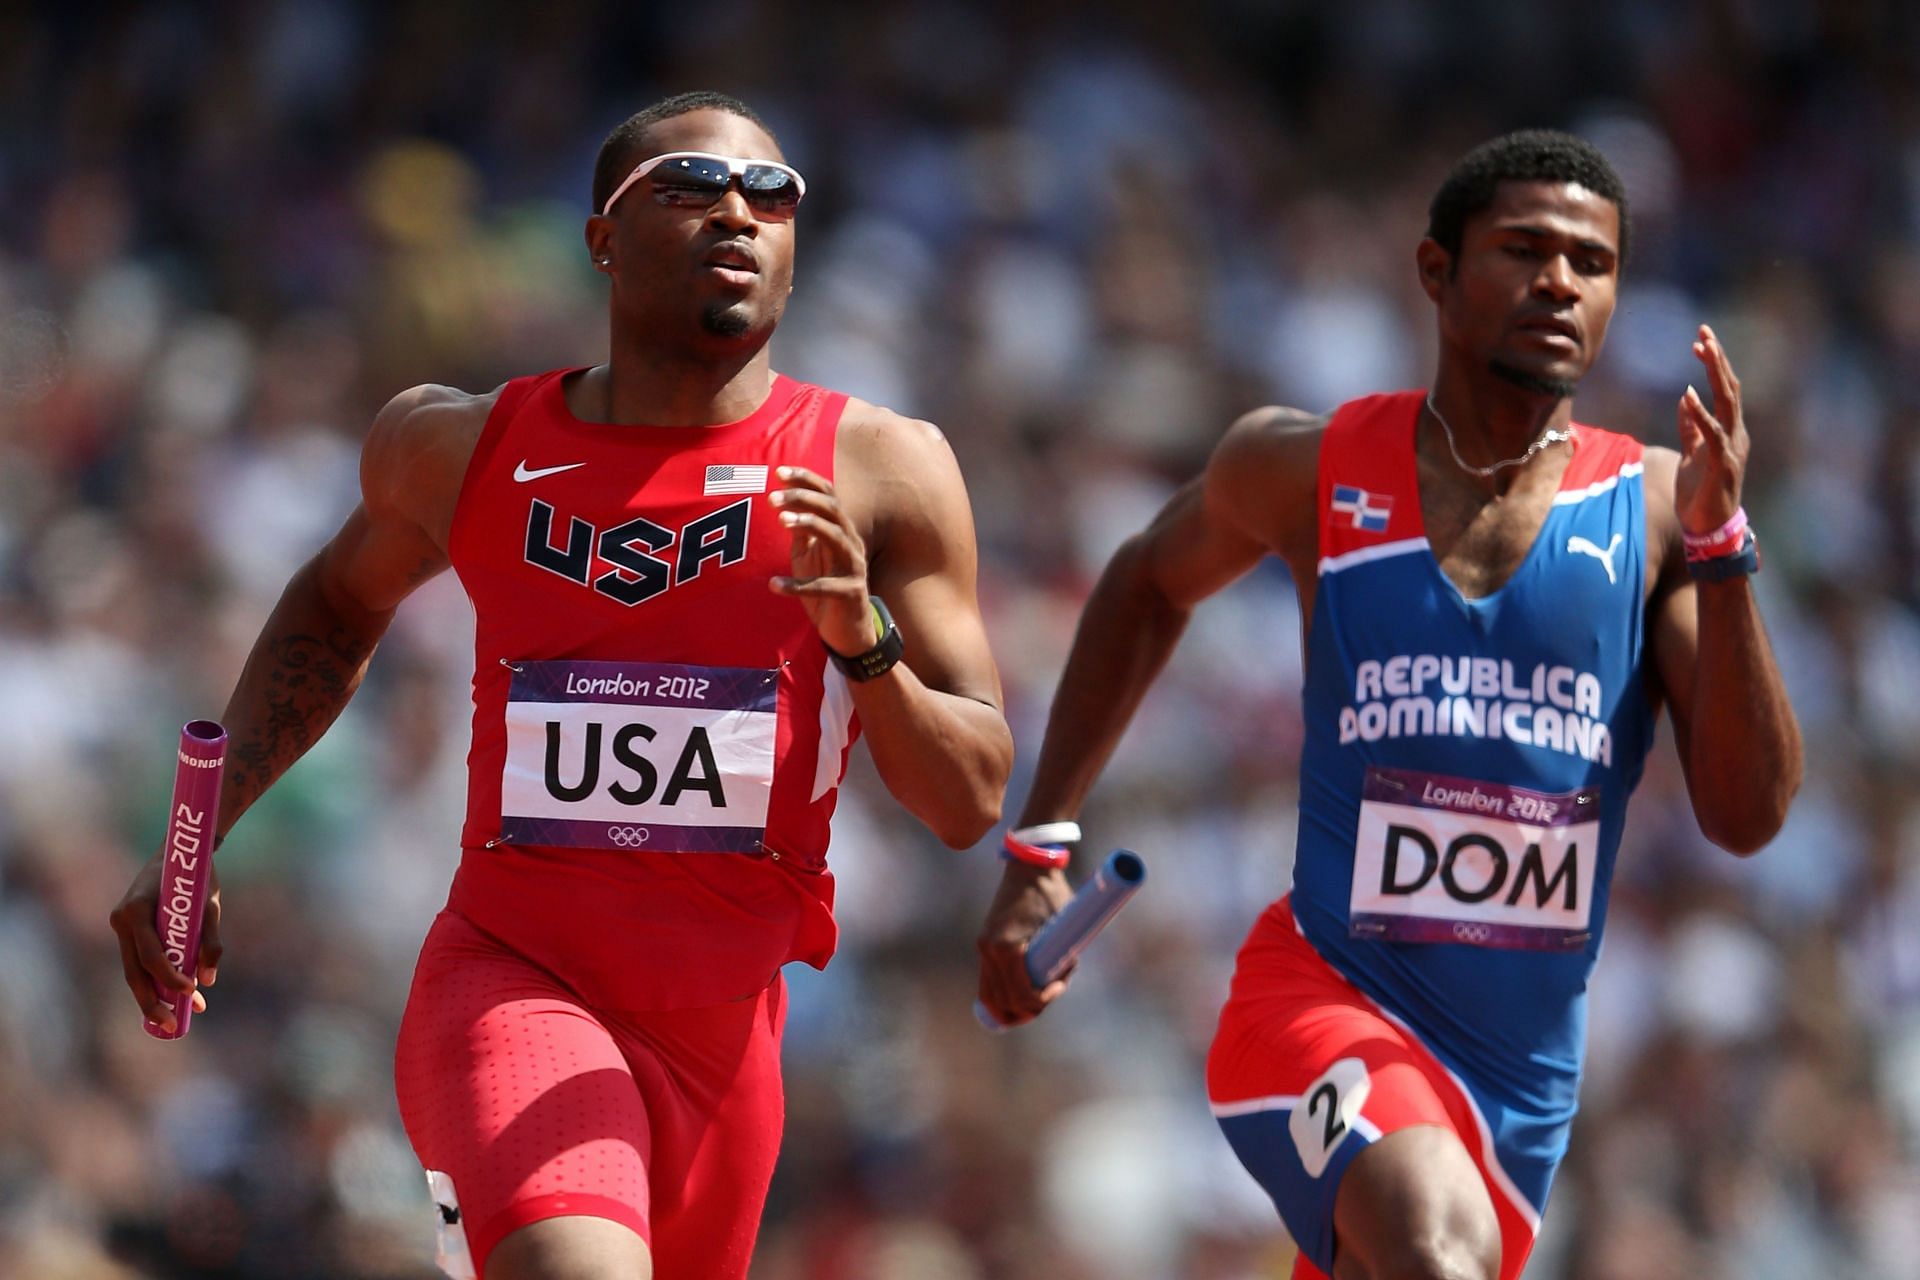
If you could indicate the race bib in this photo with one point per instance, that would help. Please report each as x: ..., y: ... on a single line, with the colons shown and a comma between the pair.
x: 1442, y: 859
x: 639, y: 755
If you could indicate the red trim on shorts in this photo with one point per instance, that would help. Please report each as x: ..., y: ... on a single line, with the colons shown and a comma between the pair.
x: 1292, y: 1014
x: 1485, y: 1152
x: 524, y: 1213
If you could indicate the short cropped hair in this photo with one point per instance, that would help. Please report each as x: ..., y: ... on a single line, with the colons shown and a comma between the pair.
x: 1529, y: 155
x: 617, y: 157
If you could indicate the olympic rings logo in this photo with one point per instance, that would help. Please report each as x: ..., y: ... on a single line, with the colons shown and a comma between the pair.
x: 1471, y: 932
x: 629, y: 837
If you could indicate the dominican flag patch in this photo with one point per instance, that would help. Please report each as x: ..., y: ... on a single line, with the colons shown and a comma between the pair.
x: 1368, y: 511
x: 736, y: 480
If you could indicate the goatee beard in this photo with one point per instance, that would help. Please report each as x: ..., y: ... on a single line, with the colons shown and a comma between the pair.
x: 726, y: 320
x: 1558, y: 388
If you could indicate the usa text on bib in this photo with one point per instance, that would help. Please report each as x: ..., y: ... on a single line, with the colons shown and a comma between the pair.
x: 639, y: 755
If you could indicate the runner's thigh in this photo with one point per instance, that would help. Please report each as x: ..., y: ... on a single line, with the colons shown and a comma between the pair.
x: 517, y: 1092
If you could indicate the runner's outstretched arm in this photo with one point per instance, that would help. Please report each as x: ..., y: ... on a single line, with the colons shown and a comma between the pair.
x: 1255, y: 497
x: 1739, y: 742
x: 308, y: 660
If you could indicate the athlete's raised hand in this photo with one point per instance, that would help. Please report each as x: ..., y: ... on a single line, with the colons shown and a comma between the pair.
x: 829, y: 562
x: 1713, y: 446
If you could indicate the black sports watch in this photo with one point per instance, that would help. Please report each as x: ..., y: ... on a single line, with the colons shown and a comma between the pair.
x: 878, y: 660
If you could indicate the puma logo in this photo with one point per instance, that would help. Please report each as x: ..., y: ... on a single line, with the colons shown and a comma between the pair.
x: 1587, y: 548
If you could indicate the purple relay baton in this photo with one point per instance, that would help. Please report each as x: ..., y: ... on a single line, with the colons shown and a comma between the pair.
x: 187, y: 870
x: 1061, y: 940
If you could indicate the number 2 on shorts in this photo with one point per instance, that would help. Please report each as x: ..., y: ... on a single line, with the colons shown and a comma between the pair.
x: 1326, y: 1111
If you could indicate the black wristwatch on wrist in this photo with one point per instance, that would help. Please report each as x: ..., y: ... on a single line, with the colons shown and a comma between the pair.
x: 878, y: 660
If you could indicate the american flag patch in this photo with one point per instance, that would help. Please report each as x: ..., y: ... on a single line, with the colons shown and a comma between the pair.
x: 1368, y: 511
x: 736, y: 480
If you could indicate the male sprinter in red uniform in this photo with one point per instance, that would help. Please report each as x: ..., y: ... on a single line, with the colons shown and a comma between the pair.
x: 694, y: 580
x: 1496, y: 599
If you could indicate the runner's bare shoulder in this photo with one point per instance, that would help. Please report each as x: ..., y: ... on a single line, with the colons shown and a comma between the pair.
x: 1665, y: 557
x: 1662, y: 465
x: 901, y: 467
x: 879, y: 434
x: 416, y: 454
x: 1264, y: 475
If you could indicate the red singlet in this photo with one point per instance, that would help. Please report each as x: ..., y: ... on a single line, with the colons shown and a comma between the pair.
x: 657, y: 738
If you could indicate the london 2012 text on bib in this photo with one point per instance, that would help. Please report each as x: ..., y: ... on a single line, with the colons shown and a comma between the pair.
x: 1441, y: 859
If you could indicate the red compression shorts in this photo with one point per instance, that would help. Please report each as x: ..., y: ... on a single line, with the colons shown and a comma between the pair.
x: 1305, y: 1073
x: 538, y: 1106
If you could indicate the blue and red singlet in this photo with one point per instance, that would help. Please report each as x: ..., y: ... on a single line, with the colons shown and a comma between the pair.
x: 1463, y: 788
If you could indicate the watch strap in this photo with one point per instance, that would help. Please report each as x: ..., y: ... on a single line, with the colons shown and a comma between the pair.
x: 880, y: 659
x: 1720, y: 568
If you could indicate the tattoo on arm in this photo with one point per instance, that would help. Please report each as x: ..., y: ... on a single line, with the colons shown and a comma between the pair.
x: 427, y: 568
x: 302, y: 682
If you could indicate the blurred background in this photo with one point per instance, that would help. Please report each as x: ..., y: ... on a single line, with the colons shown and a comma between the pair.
x: 1083, y: 239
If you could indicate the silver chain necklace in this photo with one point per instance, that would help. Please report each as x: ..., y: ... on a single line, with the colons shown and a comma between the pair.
x: 1558, y: 435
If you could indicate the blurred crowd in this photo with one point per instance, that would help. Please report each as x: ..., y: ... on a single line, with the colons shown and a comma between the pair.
x: 1082, y: 239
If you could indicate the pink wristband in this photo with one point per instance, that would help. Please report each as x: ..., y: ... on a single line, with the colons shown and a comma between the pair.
x: 1724, y: 541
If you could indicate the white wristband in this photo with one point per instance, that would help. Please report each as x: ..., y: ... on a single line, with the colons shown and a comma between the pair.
x: 1048, y: 833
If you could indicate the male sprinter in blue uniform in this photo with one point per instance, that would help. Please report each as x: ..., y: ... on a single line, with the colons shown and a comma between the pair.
x: 1497, y: 600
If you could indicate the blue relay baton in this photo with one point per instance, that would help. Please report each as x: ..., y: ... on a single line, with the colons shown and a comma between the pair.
x: 1093, y: 906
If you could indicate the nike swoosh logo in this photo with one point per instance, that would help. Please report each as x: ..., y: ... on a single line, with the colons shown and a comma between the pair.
x: 522, y: 474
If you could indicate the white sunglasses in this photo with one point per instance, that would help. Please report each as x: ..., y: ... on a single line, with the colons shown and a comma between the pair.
x: 695, y: 179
